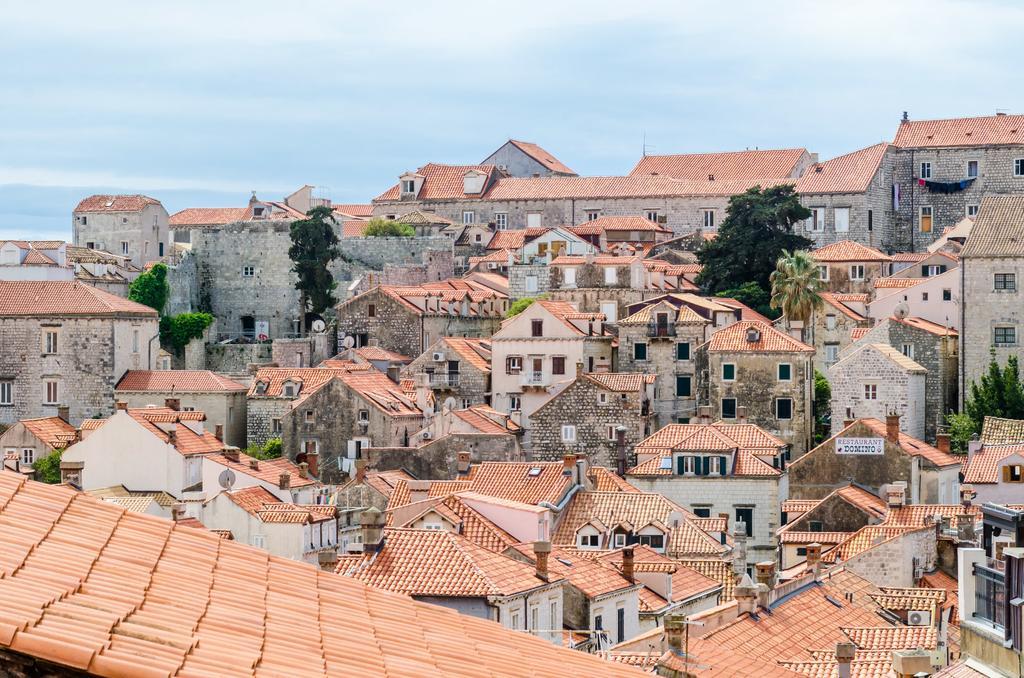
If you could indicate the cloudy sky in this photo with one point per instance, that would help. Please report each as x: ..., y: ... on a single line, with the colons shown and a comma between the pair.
x: 198, y: 103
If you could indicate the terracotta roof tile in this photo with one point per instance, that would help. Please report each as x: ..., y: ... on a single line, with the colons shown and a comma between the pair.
x: 893, y: 637
x: 621, y: 382
x: 890, y: 282
x: 186, y: 441
x: 606, y: 481
x: 378, y: 353
x: 913, y: 446
x: 477, y: 352
x: 543, y: 157
x: 799, y: 505
x: 53, y: 431
x: 88, y: 586
x: 760, y: 166
x: 64, y: 298
x: 518, y: 481
x: 440, y: 182
x: 998, y: 229
x: 636, y: 186
x: 209, y: 216
x: 990, y: 130
x: 591, y: 576
x: 267, y: 470
x: 310, y: 378
x: 486, y: 420
x: 364, y: 210
x: 115, y: 203
x: 812, y: 537
x: 834, y: 301
x: 735, y: 338
x: 1001, y: 431
x: 858, y: 332
x: 614, y: 223
x: 850, y: 173
x: 848, y: 250
x: 926, y: 325
x: 514, y: 239
x: 177, y: 381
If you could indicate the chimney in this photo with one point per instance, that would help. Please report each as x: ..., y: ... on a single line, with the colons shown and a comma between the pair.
x: 814, y: 557
x: 766, y: 573
x: 896, y: 494
x: 371, y: 522
x: 231, y: 453
x: 172, y: 403
x: 177, y: 511
x: 892, y: 427
x: 745, y: 594
x: 579, y: 369
x: 620, y: 439
x: 541, y: 551
x: 463, y: 461
x: 845, y: 652
x: 965, y: 528
x: 254, y: 464
x: 764, y: 595
x: 360, y: 466
x: 172, y: 436
x: 313, y: 464
x: 675, y: 629
x: 284, y: 481
x: 741, y: 414
x: 628, y: 564
x: 395, y: 373
x: 739, y: 549
x: 942, y: 442
x: 122, y: 405
x: 423, y: 393
x: 64, y: 413
x: 418, y: 490
x: 568, y: 463
x: 218, y: 431
x: 303, y: 470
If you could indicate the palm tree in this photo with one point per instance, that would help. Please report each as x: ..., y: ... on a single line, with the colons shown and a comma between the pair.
x: 796, y: 286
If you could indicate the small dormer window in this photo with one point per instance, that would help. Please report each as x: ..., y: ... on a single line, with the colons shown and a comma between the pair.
x: 408, y: 185
x: 290, y: 389
x: 261, y: 387
x: 257, y: 212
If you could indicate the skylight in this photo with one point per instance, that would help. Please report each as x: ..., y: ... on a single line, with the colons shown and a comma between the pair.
x: 534, y: 472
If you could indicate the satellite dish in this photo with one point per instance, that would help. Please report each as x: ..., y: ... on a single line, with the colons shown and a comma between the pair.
x: 348, y: 342
x: 318, y: 325
x: 901, y: 311
x: 449, y: 404
x: 226, y: 478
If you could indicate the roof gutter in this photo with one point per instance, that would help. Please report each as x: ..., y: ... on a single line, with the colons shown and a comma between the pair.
x: 565, y: 500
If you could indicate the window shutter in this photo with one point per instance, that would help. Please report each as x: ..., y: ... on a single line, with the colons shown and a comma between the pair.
x: 721, y: 466
x: 924, y: 271
x: 942, y: 268
x: 701, y: 466
x: 1006, y: 474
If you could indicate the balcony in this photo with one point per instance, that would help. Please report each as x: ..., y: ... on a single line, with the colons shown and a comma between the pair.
x: 444, y: 380
x: 531, y: 379
x: 661, y: 330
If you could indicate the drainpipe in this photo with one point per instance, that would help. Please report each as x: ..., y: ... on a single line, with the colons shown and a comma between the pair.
x: 962, y: 359
x: 561, y: 504
x: 149, y: 348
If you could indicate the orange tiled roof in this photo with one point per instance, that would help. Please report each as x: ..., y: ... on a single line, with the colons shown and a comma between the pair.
x: 543, y: 157
x: 177, y: 381
x: 378, y: 353
x: 624, y: 382
x: 364, y: 210
x: 514, y: 239
x: 487, y: 420
x: 591, y: 576
x: 186, y: 441
x: 1002, y: 431
x: 605, y: 480
x: 834, y: 301
x: 858, y: 332
x: 384, y: 481
x: 440, y: 182
x: 703, y: 437
x: 889, y: 282
x: 922, y: 514
x: 613, y: 223
x: 893, y: 637
x: 311, y: 378
x: 377, y: 388
x: 53, y: 431
x: 812, y: 537
x: 864, y: 539
x: 989, y: 130
x: 469, y: 522
x: 64, y: 298
x: 760, y: 166
x: 983, y: 465
x: 264, y: 506
x: 848, y: 250
x: 90, y: 587
x: 515, y: 481
x: 913, y: 446
x: 862, y: 499
x: 799, y: 505
x: 477, y: 352
x: 926, y: 325
x: 442, y: 564
x: 209, y: 216
x: 997, y: 228
x: 734, y: 338
x: 267, y: 470
x: 400, y: 495
x: 115, y: 203
x: 850, y: 173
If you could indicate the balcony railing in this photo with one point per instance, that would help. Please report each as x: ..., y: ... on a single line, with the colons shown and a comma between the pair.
x: 661, y: 330
x: 447, y: 380
x: 530, y: 378
x: 990, y: 594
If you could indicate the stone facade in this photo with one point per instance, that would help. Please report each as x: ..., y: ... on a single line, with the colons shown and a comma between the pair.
x: 455, y: 377
x: 224, y: 409
x: 831, y: 333
x: 594, y: 411
x: 439, y: 458
x: 986, y: 308
x: 435, y: 265
x: 839, y: 279
x: 264, y: 418
x: 183, y: 279
x: 529, y: 280
x: 892, y: 563
x: 513, y: 161
x: 237, y: 360
x: 871, y: 382
x: 141, y: 232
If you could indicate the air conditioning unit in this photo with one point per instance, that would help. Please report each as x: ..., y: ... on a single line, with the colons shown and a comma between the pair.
x: 439, y: 357
x: 919, y: 618
x: 427, y: 435
x: 493, y: 265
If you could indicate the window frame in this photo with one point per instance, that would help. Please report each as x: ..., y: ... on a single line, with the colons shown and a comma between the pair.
x: 925, y: 170
x: 51, y: 341
x: 47, y: 384
x: 778, y: 414
x: 558, y: 364
x: 835, y: 218
x: 1007, y: 331
x: 708, y: 217
x: 789, y: 372
x: 1009, y: 282
x: 721, y: 406
x: 501, y: 221
x: 569, y: 433
x: 638, y: 345
x: 1018, y: 167
x: 967, y: 169
x: 468, y: 217
x: 681, y: 344
x: 689, y: 385
x: 248, y: 271
x: 823, y: 268
x: 870, y: 391
x: 733, y: 377
x: 7, y: 392
x: 857, y: 272
x: 921, y: 212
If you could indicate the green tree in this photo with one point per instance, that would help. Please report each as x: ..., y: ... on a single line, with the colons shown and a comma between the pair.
x: 270, y: 450
x: 961, y: 429
x: 388, y: 228
x: 757, y: 229
x: 999, y: 393
x: 180, y: 329
x: 48, y: 468
x: 314, y: 247
x: 754, y: 296
x: 151, y: 288
x: 822, y: 407
x: 520, y: 305
x: 796, y: 285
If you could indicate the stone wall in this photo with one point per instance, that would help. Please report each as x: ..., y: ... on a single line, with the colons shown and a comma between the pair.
x: 591, y: 299
x: 260, y: 417
x: 938, y: 355
x: 436, y: 265
x: 891, y: 563
x: 308, y: 351
x: 144, y: 231
x: 474, y: 384
x: 988, y: 309
x: 839, y: 336
x: 438, y: 459
x: 898, y: 389
x: 183, y: 279
x: 839, y: 277
x: 834, y: 514
x: 237, y: 359
x: 519, y: 274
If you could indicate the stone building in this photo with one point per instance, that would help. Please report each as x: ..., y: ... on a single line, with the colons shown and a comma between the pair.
x: 850, y: 198
x: 525, y: 159
x: 833, y: 327
x: 875, y: 454
x: 131, y: 225
x: 945, y: 168
x: 66, y: 343
x: 933, y: 347
x: 875, y: 380
x: 991, y: 270
x: 849, y: 267
x: 32, y: 439
x: 757, y: 371
x: 995, y: 472
x: 607, y: 232
x: 934, y: 298
x: 719, y: 469
x: 409, y: 319
x: 456, y: 367
x: 222, y: 399
x: 584, y: 418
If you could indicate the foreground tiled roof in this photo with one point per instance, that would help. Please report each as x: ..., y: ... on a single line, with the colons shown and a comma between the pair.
x: 88, y: 586
x: 1000, y: 431
x: 848, y: 250
x: 115, y: 203
x: 543, y: 157
x: 759, y: 166
x: 998, y: 229
x: 893, y: 637
x: 734, y: 338
x: 850, y: 173
x: 177, y: 381
x: 989, y: 130
x: 64, y: 298
x: 983, y: 465
x: 833, y: 300
x: 53, y: 431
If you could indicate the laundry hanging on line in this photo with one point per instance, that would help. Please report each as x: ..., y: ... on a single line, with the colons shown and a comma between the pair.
x: 945, y: 186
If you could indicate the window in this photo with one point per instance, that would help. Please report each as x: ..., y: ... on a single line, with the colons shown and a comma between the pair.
x: 310, y: 417
x: 275, y: 424
x: 515, y: 403
x: 683, y: 350
x: 830, y: 321
x: 925, y: 219
x: 248, y: 271
x: 932, y: 270
x: 124, y: 247
x: 598, y: 623
x: 1012, y: 473
x: 84, y: 221
x: 908, y: 350
x: 514, y: 620
x: 161, y: 249
x: 857, y: 272
x: 728, y: 408
x: 708, y: 218
x: 1005, y: 336
x: 288, y: 390
x: 589, y: 540
x: 783, y: 408
x: 6, y: 392
x: 871, y: 220
x: 831, y: 353
x: 135, y: 341
x: 655, y: 541
x: 785, y: 372
x: 534, y: 617
x: 536, y: 328
x: 1018, y: 171
x: 408, y: 185
x: 924, y: 296
x: 533, y: 220
x: 501, y: 220
x: 531, y: 283
x: 702, y: 511
x: 823, y: 273
x: 870, y: 391
x: 639, y: 351
x: 684, y: 386
x: 842, y: 219
x: 972, y: 210
x: 686, y: 465
x: 972, y: 169
x: 568, y: 433
x: 51, y: 393
x: 602, y: 398
x: 371, y: 310
x: 468, y: 216
x: 50, y: 341
x: 728, y: 372
x: 745, y: 515
x: 592, y: 215
x: 947, y: 295
x: 231, y: 415
x: 555, y: 617
x: 816, y: 222
x: 513, y: 364
x: 1005, y: 281
x: 618, y: 540
x: 926, y: 170
x: 651, y: 215
x: 259, y: 541
x: 28, y: 455
x: 569, y: 277
x: 611, y: 431
x: 801, y: 550
x: 558, y: 364
x: 814, y: 525
x: 611, y: 275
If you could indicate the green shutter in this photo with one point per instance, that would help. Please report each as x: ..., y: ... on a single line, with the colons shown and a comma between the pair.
x: 701, y: 466
x: 722, y: 470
